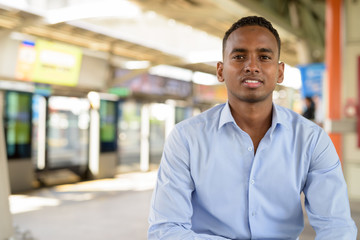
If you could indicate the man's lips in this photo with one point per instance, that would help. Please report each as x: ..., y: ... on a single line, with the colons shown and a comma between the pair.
x: 252, y: 83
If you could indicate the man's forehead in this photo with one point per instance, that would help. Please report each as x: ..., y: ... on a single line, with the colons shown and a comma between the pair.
x: 250, y: 35
x: 252, y: 31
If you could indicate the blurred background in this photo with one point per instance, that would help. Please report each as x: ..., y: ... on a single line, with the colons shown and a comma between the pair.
x: 90, y: 89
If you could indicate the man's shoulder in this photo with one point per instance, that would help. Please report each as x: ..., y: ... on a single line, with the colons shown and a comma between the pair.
x: 294, y: 120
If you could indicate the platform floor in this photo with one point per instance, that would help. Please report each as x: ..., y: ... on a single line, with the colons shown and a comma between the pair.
x: 111, y: 209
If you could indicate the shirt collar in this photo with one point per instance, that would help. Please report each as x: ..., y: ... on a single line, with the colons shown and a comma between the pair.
x: 225, y: 116
x: 278, y: 117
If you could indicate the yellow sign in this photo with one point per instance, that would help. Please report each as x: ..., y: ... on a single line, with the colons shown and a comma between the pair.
x: 55, y: 63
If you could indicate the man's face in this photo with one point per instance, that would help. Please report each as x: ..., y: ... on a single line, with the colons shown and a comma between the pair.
x: 250, y: 68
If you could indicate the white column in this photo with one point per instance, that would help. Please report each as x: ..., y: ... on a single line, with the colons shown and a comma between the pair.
x: 41, y: 134
x: 144, y: 140
x: 94, y: 134
x: 6, y: 229
x: 170, y: 117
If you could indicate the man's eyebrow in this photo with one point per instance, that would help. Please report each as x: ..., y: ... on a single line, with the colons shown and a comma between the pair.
x: 261, y: 50
x: 242, y: 50
x: 265, y: 50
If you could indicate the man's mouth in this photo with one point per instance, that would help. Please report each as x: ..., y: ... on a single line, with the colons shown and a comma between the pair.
x: 252, y: 83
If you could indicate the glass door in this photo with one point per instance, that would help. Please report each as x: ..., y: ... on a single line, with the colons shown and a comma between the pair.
x: 67, y: 137
x: 159, y: 113
x: 129, y: 124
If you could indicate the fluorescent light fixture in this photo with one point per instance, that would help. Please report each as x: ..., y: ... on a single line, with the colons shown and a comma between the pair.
x: 211, y: 55
x: 292, y: 77
x: 172, y: 72
x: 17, y: 4
x: 205, y: 78
x: 136, y: 64
x: 105, y: 8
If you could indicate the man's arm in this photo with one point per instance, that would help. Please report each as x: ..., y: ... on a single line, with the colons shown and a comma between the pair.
x: 326, y: 199
x: 171, y: 207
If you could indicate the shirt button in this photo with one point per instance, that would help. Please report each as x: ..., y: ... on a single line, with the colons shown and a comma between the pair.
x: 253, y: 214
x: 250, y: 149
x: 252, y: 181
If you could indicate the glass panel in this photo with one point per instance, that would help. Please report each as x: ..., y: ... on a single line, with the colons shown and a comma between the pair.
x: 129, y: 136
x: 182, y: 113
x: 68, y: 137
x: 158, y: 115
x: 18, y: 124
x: 108, y: 136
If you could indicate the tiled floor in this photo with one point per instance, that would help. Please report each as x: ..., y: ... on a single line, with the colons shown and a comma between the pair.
x: 102, y: 209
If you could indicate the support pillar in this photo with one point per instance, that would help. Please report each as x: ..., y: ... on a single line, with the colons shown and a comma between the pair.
x: 145, y: 135
x: 333, y: 61
x: 6, y: 229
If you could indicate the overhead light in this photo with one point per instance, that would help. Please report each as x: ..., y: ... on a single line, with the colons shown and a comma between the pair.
x: 109, y: 8
x: 211, y: 55
x: 136, y: 64
x: 17, y: 4
x: 172, y: 72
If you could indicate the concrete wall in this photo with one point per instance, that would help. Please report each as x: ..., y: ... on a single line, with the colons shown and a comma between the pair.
x: 93, y: 73
x: 8, y: 55
x: 351, y: 52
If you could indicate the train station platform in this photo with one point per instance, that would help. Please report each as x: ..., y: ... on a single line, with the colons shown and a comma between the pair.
x: 115, y: 208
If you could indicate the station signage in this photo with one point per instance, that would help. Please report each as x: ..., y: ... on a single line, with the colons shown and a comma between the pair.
x: 153, y: 85
x: 49, y: 62
x: 312, y: 76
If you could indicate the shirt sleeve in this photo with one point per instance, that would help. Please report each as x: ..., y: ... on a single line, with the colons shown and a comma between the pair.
x: 171, y: 207
x: 326, y: 198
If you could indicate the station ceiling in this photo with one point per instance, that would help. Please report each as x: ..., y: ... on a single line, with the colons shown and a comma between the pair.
x: 135, y: 29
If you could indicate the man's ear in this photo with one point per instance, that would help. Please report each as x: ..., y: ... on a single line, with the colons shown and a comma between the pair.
x: 219, y: 71
x: 281, y: 72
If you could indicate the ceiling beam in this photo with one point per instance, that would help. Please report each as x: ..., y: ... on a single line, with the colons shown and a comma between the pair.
x: 236, y: 7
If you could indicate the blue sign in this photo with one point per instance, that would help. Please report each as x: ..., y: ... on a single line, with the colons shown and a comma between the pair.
x: 312, y: 76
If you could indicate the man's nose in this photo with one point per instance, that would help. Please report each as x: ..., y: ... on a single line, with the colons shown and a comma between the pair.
x: 252, y: 65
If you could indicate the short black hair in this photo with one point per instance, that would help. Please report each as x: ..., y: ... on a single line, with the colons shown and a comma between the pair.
x: 252, y: 21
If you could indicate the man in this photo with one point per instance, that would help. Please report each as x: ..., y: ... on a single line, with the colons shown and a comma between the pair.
x: 309, y: 112
x: 237, y: 170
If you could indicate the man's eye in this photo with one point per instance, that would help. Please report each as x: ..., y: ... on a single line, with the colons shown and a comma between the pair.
x: 265, y: 57
x: 238, y: 57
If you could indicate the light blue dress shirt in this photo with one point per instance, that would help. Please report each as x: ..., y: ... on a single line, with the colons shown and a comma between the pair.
x: 211, y: 185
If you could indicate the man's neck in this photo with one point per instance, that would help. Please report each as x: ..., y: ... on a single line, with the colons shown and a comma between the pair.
x: 253, y: 118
